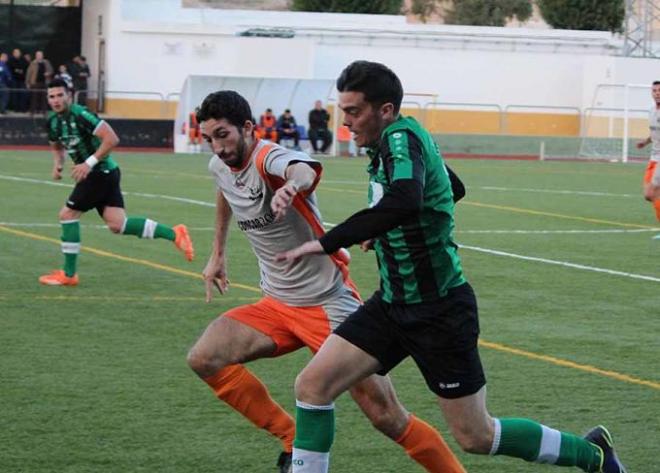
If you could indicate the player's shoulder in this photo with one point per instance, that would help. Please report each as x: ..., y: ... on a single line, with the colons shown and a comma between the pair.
x: 83, y: 112
x: 216, y: 167
x: 51, y: 117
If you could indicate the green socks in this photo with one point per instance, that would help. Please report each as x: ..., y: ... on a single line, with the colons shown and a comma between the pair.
x: 315, y: 432
x: 70, y: 245
x: 531, y: 441
x: 146, y: 228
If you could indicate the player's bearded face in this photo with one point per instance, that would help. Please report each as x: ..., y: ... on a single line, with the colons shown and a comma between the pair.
x: 227, y: 141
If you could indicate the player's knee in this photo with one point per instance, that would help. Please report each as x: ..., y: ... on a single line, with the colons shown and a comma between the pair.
x: 386, y: 414
x: 66, y: 214
x: 650, y: 193
x: 202, y: 363
x: 115, y: 227
x: 310, y: 389
x: 472, y: 439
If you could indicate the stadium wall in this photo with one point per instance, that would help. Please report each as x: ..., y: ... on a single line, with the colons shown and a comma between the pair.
x: 150, y: 51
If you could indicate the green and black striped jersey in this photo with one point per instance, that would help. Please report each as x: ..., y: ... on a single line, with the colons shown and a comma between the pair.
x: 74, y: 130
x: 418, y: 261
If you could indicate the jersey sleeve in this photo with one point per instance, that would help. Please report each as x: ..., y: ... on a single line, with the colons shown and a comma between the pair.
x: 279, y: 159
x: 86, y: 120
x: 404, y: 158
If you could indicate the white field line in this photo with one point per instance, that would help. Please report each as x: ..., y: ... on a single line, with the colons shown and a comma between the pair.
x: 87, y: 226
x: 562, y: 263
x: 474, y: 248
x: 517, y: 189
x: 477, y: 232
x: 553, y: 262
x: 138, y: 194
x: 559, y: 191
x: 557, y: 232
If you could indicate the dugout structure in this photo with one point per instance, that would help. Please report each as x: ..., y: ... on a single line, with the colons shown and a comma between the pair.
x: 298, y: 95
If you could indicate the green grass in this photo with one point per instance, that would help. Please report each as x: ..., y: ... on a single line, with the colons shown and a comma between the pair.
x: 94, y: 378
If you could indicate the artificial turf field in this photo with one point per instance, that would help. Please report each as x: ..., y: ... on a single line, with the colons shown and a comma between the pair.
x: 94, y: 378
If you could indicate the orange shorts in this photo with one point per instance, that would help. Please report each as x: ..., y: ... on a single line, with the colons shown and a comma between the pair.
x: 292, y: 327
x: 650, y: 170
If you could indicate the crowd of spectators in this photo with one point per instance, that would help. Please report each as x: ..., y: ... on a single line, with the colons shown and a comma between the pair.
x: 23, y: 80
x: 286, y: 128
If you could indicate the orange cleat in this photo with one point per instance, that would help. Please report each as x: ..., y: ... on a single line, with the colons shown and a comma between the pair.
x: 58, y: 278
x: 183, y: 241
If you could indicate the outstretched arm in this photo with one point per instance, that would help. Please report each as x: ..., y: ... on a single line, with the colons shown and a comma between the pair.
x: 58, y: 160
x: 642, y: 144
x: 215, y: 272
x: 400, y: 204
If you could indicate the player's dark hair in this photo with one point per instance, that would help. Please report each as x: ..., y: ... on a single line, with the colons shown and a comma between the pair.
x: 376, y: 81
x: 58, y: 83
x: 226, y: 104
x: 656, y: 82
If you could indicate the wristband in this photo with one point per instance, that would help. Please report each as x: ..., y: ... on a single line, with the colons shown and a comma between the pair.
x: 92, y: 161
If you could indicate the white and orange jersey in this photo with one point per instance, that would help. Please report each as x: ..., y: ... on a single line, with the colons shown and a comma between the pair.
x: 654, y: 127
x: 313, y: 280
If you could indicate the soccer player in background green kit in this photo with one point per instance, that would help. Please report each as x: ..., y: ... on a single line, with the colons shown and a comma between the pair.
x: 88, y: 140
x: 424, y: 308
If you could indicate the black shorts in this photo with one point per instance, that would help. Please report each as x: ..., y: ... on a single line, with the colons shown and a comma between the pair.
x: 99, y: 190
x: 441, y: 337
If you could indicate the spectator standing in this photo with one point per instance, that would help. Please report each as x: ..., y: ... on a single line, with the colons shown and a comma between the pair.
x: 80, y: 73
x: 63, y: 73
x: 318, y: 128
x: 39, y: 72
x: 287, y: 128
x: 18, y: 96
x: 6, y: 81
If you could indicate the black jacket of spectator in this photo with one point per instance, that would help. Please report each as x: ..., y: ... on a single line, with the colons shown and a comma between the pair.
x: 318, y: 119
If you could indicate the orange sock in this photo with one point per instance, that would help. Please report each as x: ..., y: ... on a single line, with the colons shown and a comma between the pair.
x: 656, y: 205
x: 426, y: 446
x: 239, y: 388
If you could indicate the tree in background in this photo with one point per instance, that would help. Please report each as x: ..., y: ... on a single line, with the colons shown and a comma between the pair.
x: 488, y: 12
x: 603, y: 15
x: 424, y: 8
x: 383, y: 7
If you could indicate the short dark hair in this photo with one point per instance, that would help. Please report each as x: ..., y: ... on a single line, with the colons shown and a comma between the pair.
x: 376, y: 81
x: 226, y: 104
x: 656, y: 82
x: 58, y: 83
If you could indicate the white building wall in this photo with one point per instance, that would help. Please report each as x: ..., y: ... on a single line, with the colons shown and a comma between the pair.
x: 154, y: 46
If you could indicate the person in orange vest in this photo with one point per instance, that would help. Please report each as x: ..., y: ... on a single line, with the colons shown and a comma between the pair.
x: 268, y: 126
x: 194, y: 132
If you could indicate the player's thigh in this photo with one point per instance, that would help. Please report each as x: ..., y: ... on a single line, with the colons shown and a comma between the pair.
x: 228, y: 341
x: 336, y: 367
x: 442, y: 337
x: 114, y: 218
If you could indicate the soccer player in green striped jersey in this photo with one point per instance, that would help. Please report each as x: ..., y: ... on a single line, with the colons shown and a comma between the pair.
x: 88, y: 140
x: 424, y: 308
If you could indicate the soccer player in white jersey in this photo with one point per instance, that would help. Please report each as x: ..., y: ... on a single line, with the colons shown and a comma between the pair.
x: 652, y: 174
x: 270, y: 192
